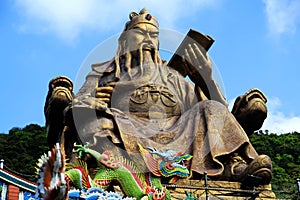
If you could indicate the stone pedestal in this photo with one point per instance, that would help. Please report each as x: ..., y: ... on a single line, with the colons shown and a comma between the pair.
x: 218, y: 190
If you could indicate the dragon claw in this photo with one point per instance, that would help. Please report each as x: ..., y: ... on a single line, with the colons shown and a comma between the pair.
x: 80, y: 149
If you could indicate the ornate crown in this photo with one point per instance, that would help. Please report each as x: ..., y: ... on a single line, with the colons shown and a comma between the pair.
x: 143, y: 17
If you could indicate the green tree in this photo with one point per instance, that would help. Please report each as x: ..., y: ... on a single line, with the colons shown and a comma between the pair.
x: 21, y: 149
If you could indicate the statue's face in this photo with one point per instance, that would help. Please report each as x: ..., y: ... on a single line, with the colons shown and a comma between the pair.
x: 142, y: 34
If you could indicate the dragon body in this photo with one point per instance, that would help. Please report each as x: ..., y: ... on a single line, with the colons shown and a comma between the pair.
x: 110, y: 171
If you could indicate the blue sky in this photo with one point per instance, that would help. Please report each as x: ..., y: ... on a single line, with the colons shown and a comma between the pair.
x: 256, y: 45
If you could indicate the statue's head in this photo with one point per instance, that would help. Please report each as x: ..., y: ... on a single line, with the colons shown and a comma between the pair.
x: 138, y: 39
x: 140, y: 32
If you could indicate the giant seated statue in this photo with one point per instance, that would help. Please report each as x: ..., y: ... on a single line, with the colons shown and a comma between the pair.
x: 137, y: 98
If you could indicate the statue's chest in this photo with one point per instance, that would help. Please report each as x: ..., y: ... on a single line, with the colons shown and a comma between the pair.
x: 149, y: 100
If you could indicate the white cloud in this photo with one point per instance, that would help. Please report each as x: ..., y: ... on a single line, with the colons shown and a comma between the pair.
x: 277, y: 121
x: 283, y: 16
x: 68, y: 18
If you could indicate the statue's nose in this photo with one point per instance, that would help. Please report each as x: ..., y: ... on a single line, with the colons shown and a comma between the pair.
x: 147, y: 37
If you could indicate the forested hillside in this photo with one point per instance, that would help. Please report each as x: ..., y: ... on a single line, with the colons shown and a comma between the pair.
x: 22, y: 147
x: 284, y: 151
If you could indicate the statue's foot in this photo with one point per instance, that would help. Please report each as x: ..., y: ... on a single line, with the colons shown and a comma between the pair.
x: 261, y: 167
x: 250, y: 110
x: 239, y: 170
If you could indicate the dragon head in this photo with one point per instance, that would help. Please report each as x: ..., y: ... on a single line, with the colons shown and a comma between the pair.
x: 173, y: 165
x: 166, y: 163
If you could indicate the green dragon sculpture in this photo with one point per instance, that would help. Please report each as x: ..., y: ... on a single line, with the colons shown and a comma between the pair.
x: 133, y: 182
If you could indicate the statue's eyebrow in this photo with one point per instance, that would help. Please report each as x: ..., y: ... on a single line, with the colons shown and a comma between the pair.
x: 146, y: 31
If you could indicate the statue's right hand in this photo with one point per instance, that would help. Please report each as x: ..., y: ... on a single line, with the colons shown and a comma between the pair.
x: 104, y: 93
x: 99, y: 99
x: 90, y: 102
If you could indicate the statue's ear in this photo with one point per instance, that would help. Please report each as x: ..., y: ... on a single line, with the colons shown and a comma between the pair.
x: 132, y: 14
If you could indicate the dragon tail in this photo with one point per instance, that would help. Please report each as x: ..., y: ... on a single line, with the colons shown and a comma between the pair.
x: 51, y: 181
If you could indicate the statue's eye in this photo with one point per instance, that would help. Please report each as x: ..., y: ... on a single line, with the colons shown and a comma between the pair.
x: 154, y: 35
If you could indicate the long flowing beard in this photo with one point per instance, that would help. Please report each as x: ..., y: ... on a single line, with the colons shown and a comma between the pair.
x: 144, y: 61
x: 132, y: 64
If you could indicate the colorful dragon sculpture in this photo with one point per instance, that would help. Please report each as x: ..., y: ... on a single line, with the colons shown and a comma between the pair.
x: 134, y: 182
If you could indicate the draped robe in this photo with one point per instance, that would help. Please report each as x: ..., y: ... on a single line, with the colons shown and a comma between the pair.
x: 157, y: 107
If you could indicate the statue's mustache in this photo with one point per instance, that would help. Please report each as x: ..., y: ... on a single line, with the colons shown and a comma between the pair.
x: 148, y: 45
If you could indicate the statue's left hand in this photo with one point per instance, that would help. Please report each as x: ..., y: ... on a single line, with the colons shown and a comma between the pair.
x: 198, y: 61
